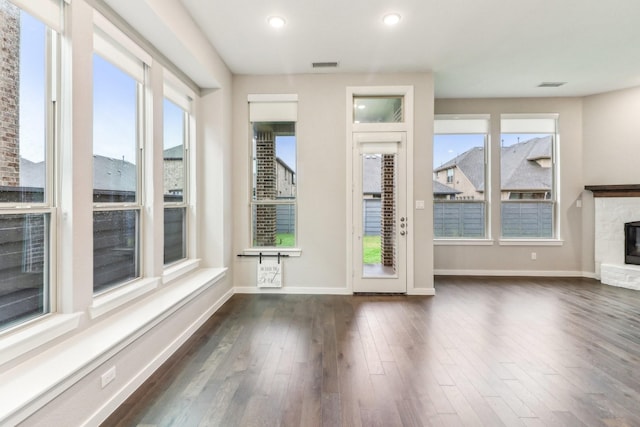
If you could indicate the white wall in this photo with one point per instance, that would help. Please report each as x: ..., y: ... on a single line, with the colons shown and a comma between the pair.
x: 612, y: 137
x: 496, y: 259
x: 321, y: 180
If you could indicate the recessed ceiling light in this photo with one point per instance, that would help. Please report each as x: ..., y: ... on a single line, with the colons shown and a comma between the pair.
x: 391, y: 19
x: 276, y: 21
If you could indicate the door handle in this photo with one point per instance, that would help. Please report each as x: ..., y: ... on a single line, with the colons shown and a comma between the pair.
x: 402, y: 232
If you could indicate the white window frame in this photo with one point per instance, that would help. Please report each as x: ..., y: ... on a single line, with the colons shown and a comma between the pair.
x: 265, y: 108
x: 114, y: 46
x: 175, y: 91
x: 469, y: 124
x: 51, y: 17
x: 543, y: 124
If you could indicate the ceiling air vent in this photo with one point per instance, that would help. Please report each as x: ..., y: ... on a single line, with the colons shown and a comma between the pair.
x: 324, y: 64
x: 552, y: 84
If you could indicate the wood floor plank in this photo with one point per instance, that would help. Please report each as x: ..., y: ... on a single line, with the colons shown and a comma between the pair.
x: 483, y: 352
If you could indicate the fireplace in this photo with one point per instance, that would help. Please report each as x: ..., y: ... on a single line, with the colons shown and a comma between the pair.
x: 632, y: 243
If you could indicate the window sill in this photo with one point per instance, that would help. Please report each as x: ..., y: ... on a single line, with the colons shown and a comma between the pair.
x: 56, y: 369
x: 530, y: 242
x: 36, y: 334
x: 463, y: 242
x: 103, y: 304
x: 178, y: 270
x: 292, y: 252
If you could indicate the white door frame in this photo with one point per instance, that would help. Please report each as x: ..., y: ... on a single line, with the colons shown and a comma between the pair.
x: 407, y: 127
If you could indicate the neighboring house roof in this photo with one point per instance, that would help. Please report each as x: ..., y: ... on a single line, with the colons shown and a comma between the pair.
x: 173, y: 153
x: 31, y: 173
x: 471, y: 163
x: 284, y: 165
x: 519, y: 169
x: 108, y: 174
x: 439, y: 188
x: 113, y: 174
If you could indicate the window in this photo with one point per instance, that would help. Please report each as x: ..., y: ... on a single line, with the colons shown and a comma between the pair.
x: 118, y: 99
x: 175, y: 173
x: 459, y: 176
x: 527, y: 175
x: 378, y: 109
x: 27, y: 102
x: 274, y: 183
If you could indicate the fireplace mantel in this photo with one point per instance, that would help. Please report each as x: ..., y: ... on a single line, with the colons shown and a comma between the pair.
x: 623, y: 190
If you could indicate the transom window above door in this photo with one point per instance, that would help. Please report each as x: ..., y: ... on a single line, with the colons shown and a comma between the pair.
x: 378, y: 109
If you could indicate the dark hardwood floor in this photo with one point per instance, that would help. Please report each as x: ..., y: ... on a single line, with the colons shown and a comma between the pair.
x: 483, y: 352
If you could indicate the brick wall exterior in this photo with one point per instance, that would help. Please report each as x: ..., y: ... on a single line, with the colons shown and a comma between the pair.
x: 266, y: 183
x: 9, y: 94
x: 388, y: 214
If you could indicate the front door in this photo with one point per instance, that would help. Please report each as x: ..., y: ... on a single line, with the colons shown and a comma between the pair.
x: 380, y: 222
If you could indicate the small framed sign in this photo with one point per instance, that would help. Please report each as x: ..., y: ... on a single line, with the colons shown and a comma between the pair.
x: 269, y: 274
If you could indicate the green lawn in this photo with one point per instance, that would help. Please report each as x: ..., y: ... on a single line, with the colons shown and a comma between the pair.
x: 370, y: 246
x: 371, y: 250
x: 285, y: 240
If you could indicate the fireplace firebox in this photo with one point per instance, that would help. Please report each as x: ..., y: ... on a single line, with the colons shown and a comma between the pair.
x: 632, y: 243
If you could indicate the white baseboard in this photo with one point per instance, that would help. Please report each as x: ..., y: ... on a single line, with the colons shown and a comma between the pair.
x: 297, y: 290
x: 316, y: 291
x: 422, y: 291
x: 515, y: 273
x: 135, y: 382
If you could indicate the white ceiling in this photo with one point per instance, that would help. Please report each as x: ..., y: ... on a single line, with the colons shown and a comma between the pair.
x: 476, y: 48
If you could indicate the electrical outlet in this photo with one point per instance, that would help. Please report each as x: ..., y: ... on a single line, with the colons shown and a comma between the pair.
x: 534, y: 256
x: 108, y: 376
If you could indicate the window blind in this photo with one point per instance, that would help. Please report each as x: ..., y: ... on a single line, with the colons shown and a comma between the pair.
x: 273, y: 108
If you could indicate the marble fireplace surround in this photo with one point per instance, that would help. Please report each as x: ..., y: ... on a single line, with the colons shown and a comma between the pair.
x: 615, y: 205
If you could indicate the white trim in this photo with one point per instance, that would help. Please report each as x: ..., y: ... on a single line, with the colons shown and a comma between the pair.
x: 296, y: 290
x: 422, y: 291
x: 33, y: 335
x: 378, y: 138
x: 463, y: 242
x: 408, y: 127
x: 530, y: 242
x: 292, y: 252
x: 52, y: 372
x: 136, y: 381
x: 115, y: 298
x: 513, y: 273
x: 178, y: 270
